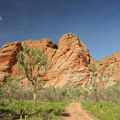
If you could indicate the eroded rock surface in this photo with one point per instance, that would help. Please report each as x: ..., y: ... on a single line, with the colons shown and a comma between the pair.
x: 8, y: 59
x: 108, y: 69
x: 70, y: 62
x: 46, y: 45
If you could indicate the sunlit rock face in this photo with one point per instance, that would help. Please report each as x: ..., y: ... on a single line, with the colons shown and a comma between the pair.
x: 70, y: 62
x: 46, y: 45
x: 108, y: 69
x: 8, y: 58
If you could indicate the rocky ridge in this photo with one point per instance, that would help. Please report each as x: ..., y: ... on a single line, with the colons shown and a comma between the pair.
x: 70, y: 62
x: 108, y: 69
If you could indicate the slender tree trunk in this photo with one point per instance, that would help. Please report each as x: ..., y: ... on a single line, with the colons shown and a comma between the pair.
x: 34, y: 94
x: 21, y: 113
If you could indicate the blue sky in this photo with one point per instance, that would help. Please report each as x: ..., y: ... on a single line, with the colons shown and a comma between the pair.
x: 97, y: 22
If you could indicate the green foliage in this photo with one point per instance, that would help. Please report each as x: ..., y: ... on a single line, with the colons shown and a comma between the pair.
x: 96, y: 92
x: 29, y: 58
x: 93, y: 74
x: 70, y: 37
x: 107, y: 65
x: 106, y: 108
x: 103, y: 110
x: 12, y: 87
x: 66, y: 93
x: 112, y: 93
x: 36, y: 110
x: 33, y: 62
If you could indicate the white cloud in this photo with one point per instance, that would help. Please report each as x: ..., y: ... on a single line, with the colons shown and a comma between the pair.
x: 1, y: 18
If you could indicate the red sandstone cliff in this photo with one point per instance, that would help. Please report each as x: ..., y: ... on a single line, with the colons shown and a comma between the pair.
x: 8, y: 59
x: 70, y: 62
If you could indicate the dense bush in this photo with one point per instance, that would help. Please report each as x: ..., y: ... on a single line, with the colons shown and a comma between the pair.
x: 12, y: 88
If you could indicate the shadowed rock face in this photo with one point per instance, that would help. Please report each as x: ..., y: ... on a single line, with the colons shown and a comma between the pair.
x: 8, y: 59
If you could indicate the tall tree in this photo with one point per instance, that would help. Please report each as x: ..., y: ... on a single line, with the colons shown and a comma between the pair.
x: 33, y: 62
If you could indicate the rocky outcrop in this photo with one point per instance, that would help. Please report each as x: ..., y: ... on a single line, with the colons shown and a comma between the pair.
x: 46, y: 45
x: 70, y: 62
x: 108, y: 69
x: 8, y: 59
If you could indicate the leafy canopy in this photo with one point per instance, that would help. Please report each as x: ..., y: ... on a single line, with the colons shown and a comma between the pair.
x: 33, y: 62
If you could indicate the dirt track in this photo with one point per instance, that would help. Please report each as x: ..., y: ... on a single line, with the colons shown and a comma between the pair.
x: 77, y: 112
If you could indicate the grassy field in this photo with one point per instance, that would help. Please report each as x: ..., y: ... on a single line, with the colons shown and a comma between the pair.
x: 39, y: 110
x: 103, y: 110
x: 35, y: 109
